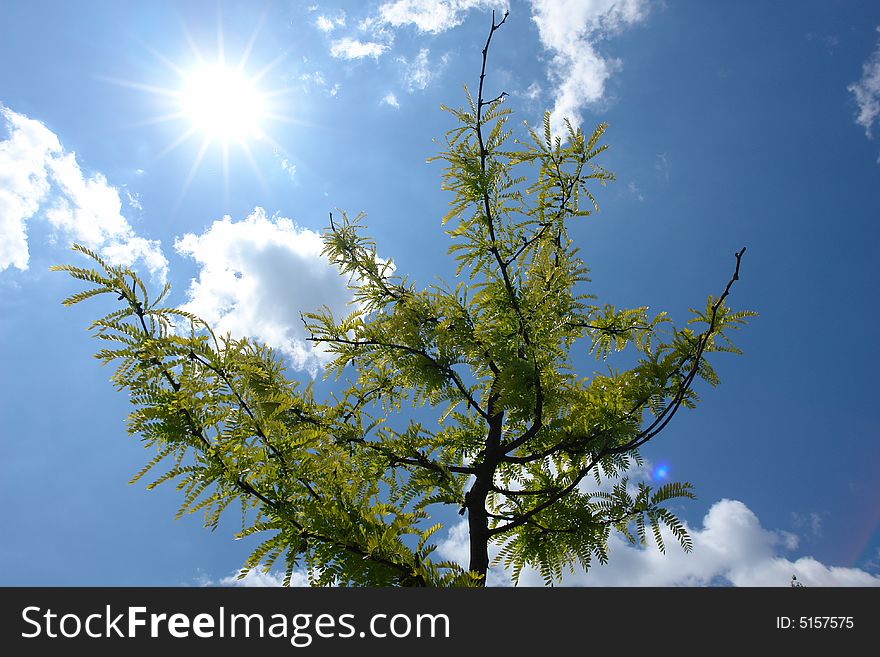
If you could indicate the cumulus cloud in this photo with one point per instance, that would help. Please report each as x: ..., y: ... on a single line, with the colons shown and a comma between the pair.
x: 730, y: 548
x: 433, y: 16
x: 348, y: 48
x: 571, y: 30
x: 256, y: 276
x: 39, y: 179
x: 867, y: 92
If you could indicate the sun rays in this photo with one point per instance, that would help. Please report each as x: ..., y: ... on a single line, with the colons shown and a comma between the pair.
x: 225, y: 105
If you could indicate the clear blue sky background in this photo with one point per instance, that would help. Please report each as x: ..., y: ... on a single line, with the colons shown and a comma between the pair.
x: 731, y: 124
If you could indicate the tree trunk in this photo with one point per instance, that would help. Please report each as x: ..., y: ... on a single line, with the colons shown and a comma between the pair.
x: 475, y: 500
x: 478, y: 524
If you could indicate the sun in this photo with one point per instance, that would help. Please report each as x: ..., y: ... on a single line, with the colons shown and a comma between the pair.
x: 223, y: 104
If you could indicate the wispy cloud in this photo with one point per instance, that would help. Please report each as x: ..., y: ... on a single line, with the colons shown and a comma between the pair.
x: 348, y: 48
x: 317, y: 80
x: 533, y: 92
x: 39, y: 179
x: 635, y: 191
x: 867, y: 92
x: 661, y: 165
x: 420, y: 71
x: 286, y: 164
x: 432, y: 16
x: 571, y: 30
x: 330, y: 23
x: 812, y: 522
x: 289, y: 167
x: 257, y: 275
x: 134, y: 201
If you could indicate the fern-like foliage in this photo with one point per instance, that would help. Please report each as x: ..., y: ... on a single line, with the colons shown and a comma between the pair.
x: 534, y: 455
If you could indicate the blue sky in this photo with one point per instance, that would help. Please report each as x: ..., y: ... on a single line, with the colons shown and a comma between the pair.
x: 731, y: 124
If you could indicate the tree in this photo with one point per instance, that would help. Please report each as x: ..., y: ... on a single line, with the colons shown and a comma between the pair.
x: 346, y: 486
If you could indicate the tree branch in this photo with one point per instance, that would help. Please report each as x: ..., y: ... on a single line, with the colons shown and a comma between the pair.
x: 445, y: 369
x: 666, y: 415
x: 652, y: 430
x: 196, y: 431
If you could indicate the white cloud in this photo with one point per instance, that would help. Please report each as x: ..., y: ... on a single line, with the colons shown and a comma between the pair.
x: 635, y: 191
x: 731, y: 547
x: 433, y: 16
x: 571, y: 30
x: 286, y: 164
x: 812, y: 522
x: 88, y: 209
x: 420, y: 71
x: 134, y: 248
x: 134, y: 201
x: 455, y: 548
x: 24, y: 183
x: 330, y: 23
x: 661, y: 166
x: 324, y: 24
x: 348, y: 48
x: 317, y: 79
x: 255, y: 278
x: 533, y: 92
x: 288, y: 167
x: 867, y: 92
x: 37, y: 174
x: 256, y: 578
x: 391, y: 100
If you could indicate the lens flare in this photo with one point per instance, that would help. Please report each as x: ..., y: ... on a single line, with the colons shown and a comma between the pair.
x: 660, y: 472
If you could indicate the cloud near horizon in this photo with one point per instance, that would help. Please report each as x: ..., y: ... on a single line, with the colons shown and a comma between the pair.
x: 731, y: 548
x: 40, y: 180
